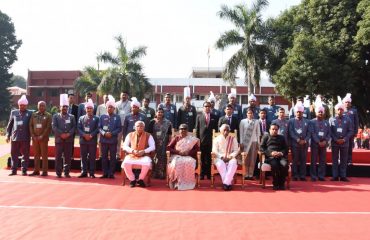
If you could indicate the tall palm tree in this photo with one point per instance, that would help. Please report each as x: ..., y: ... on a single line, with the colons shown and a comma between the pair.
x: 248, y: 34
x: 90, y: 81
x: 125, y: 73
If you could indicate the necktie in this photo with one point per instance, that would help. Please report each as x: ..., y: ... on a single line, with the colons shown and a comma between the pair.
x: 263, y: 126
x: 207, y: 119
x: 230, y: 121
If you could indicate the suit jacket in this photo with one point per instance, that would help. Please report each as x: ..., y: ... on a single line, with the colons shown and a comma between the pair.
x: 40, y: 125
x: 73, y: 109
x: 63, y: 124
x: 233, y: 126
x: 18, y: 126
x: 204, y: 132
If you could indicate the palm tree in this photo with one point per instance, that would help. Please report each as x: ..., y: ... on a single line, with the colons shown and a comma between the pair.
x: 90, y: 81
x: 125, y: 73
x: 248, y: 33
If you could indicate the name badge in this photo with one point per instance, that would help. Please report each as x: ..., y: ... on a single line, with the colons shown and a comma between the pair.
x: 68, y: 121
x: 148, y: 115
x: 105, y: 128
x: 321, y: 134
x: 190, y: 113
x: 158, y: 134
x: 235, y: 112
x: 19, y: 123
x: 172, y: 111
x: 339, y: 130
x: 38, y: 125
x: 299, y: 130
x: 87, y: 129
x: 304, y: 115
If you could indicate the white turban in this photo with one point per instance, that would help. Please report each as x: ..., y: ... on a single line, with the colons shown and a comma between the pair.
x: 211, y: 97
x: 347, y: 98
x: 89, y: 103
x: 186, y: 92
x: 232, y: 93
x: 135, y: 102
x: 299, y: 107
x: 318, y: 104
x: 23, y: 100
x: 63, y: 100
x: 339, y: 106
x: 252, y: 98
x: 110, y: 102
x: 306, y: 102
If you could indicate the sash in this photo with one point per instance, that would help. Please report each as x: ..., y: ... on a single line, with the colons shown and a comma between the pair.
x: 139, y: 143
x: 229, y: 145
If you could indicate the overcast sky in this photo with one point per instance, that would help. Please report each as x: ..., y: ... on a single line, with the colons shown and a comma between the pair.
x: 68, y: 34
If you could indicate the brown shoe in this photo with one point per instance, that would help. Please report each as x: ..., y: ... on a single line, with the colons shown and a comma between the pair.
x: 44, y: 174
x: 35, y: 174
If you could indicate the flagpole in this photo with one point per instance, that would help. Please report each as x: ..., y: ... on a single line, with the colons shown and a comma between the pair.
x: 208, y: 62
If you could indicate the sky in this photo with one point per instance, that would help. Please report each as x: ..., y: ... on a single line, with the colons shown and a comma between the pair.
x: 68, y: 34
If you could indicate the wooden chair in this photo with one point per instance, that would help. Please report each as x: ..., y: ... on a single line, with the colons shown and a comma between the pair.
x: 198, y: 170
x: 241, y: 170
x: 265, y: 167
x: 137, y: 167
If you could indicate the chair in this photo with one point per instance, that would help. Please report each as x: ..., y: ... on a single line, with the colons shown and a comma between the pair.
x: 265, y: 167
x: 137, y: 167
x: 199, y: 165
x: 241, y: 170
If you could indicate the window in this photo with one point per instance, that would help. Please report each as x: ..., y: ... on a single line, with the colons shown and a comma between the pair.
x: 39, y: 92
x: 53, y: 92
x: 263, y: 99
x: 179, y: 98
x: 200, y: 97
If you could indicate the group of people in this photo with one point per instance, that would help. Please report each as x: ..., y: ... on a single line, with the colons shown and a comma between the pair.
x: 146, y: 135
x: 362, y: 138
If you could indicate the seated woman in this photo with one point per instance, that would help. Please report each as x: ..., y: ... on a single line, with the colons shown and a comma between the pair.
x: 181, y: 170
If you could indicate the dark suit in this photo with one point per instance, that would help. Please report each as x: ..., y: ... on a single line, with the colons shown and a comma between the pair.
x: 204, y: 133
x: 73, y: 109
x: 234, y: 125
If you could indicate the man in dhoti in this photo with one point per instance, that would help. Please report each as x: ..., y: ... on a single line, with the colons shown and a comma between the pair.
x: 138, y: 145
x: 226, y: 149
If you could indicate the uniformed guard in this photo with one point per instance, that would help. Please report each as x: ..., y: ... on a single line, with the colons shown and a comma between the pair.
x: 214, y: 111
x: 170, y: 110
x: 252, y: 104
x: 320, y: 137
x: 133, y: 117
x: 82, y: 108
x: 341, y: 130
x: 109, y: 128
x: 64, y: 126
x: 283, y: 125
x: 187, y: 113
x: 238, y: 113
x: 299, y: 138
x: 350, y: 112
x: 18, y: 132
x: 306, y: 110
x: 272, y: 110
x: 146, y: 110
x: 40, y: 128
x: 88, y: 129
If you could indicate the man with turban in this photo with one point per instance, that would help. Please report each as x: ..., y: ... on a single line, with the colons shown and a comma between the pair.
x: 133, y: 117
x: 351, y: 112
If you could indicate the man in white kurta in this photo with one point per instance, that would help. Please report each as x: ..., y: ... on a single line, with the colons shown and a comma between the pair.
x: 250, y: 133
x: 226, y: 149
x: 138, y: 145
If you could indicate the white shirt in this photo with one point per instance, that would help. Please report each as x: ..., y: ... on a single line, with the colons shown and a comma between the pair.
x: 220, y: 145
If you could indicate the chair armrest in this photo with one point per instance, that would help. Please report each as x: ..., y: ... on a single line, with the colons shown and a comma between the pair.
x: 199, y: 160
x: 261, y: 157
x: 244, y: 157
x: 168, y: 154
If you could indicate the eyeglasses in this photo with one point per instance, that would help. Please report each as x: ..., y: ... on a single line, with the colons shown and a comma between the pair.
x: 207, y: 106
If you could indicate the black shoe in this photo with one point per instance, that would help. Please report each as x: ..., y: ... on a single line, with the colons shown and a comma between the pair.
x: 302, y: 179
x: 334, y: 179
x: 67, y: 175
x: 275, y: 187
x: 295, y: 179
x: 12, y: 173
x: 132, y: 183
x: 313, y: 179
x: 229, y: 187
x: 83, y: 175
x: 225, y: 187
x: 92, y: 176
x: 104, y: 176
x: 24, y: 173
x: 111, y: 176
x: 281, y: 187
x: 35, y: 174
x: 344, y: 179
x: 141, y: 183
x: 321, y: 179
x: 59, y: 175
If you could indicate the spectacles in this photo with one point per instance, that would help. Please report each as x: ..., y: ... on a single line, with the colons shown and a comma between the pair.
x: 207, y: 106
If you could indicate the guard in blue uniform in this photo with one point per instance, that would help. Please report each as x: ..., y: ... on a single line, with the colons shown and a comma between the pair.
x: 306, y: 111
x: 81, y: 107
x: 350, y: 112
x: 187, y: 113
x: 283, y: 125
x: 109, y: 127
x: 252, y: 105
x: 18, y: 132
x: 237, y: 112
x: 341, y: 132
x: 88, y: 129
x: 64, y: 127
x: 320, y: 137
x: 133, y: 117
x: 299, y: 135
x: 214, y: 111
x: 272, y: 111
x: 170, y: 110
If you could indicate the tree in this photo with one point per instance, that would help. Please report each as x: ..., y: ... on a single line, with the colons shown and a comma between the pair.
x: 90, y: 81
x: 323, y: 49
x: 19, y: 81
x: 8, y: 50
x: 248, y: 34
x: 125, y: 72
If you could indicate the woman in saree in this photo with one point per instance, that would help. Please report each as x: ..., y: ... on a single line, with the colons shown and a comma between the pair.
x: 161, y: 130
x: 181, y: 169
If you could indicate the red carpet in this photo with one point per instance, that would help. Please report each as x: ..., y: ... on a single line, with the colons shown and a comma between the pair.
x: 48, y: 208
